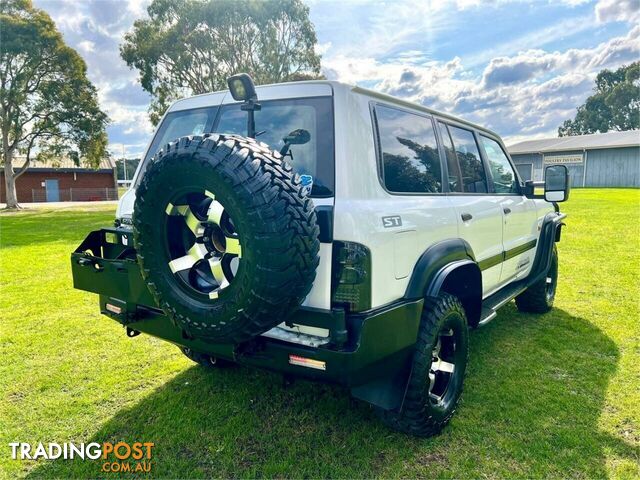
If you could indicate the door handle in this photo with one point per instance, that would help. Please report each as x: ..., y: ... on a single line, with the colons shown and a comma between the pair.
x: 506, y: 210
x: 466, y: 217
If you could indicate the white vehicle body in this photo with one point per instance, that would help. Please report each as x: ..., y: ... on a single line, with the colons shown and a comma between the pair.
x: 502, y: 229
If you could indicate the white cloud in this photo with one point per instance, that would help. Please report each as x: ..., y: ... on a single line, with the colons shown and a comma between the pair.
x: 322, y: 48
x: 87, y: 46
x: 513, y: 85
x: 529, y: 93
x: 618, y: 11
x: 526, y: 65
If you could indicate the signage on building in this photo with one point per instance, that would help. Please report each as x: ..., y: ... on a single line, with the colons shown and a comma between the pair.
x: 562, y: 159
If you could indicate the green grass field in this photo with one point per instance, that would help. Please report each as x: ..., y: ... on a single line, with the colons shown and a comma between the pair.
x: 556, y: 395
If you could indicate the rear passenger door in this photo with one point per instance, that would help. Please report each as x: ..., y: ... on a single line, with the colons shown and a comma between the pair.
x: 410, y: 171
x: 478, y: 212
x: 520, y: 220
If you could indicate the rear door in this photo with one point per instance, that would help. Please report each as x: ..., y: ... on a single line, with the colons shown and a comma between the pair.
x: 312, y: 111
x: 519, y: 215
x: 478, y: 212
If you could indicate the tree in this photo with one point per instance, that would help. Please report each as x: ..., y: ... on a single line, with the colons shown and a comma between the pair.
x: 615, y: 105
x: 402, y: 173
x: 191, y: 47
x: 47, y: 104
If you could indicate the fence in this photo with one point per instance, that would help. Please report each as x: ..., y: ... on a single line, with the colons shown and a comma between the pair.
x: 75, y: 195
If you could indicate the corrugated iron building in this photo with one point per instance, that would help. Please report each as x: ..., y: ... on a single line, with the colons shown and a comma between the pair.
x: 600, y: 160
x: 60, y: 180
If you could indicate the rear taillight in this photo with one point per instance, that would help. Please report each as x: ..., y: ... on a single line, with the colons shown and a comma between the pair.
x: 351, y: 276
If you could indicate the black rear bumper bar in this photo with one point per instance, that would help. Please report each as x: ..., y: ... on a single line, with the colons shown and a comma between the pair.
x: 369, y: 352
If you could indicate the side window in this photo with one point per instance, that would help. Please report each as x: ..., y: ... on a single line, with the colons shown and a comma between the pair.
x: 455, y: 176
x: 474, y: 179
x: 504, y: 178
x: 410, y: 160
x: 176, y: 125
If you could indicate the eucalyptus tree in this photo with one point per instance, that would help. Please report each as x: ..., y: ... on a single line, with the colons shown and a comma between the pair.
x: 48, y: 107
x: 191, y: 47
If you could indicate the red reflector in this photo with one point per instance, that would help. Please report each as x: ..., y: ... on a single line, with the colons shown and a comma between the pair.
x: 307, y: 362
x: 113, y: 308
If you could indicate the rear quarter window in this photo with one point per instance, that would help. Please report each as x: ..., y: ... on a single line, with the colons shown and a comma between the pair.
x: 408, y: 151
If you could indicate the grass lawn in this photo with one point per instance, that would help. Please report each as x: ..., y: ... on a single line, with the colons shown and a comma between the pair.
x: 556, y: 395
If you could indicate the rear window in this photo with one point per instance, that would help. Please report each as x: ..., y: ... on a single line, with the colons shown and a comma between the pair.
x: 274, y: 122
x: 276, y: 119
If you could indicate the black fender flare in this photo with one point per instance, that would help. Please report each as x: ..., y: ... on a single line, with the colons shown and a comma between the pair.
x: 435, y: 264
x: 549, y: 234
x: 449, y: 265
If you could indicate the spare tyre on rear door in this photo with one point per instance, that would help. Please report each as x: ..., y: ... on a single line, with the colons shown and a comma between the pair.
x: 226, y: 239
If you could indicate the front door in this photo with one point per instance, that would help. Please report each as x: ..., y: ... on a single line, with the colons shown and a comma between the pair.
x: 52, y: 190
x: 520, y: 226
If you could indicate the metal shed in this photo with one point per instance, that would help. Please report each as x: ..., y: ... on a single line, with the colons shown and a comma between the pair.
x: 600, y: 160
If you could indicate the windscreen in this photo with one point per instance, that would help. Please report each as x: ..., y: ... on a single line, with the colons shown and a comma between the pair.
x: 275, y: 121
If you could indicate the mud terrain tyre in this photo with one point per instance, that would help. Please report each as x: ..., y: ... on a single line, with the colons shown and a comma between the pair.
x: 539, y: 297
x: 226, y: 240
x: 437, y: 371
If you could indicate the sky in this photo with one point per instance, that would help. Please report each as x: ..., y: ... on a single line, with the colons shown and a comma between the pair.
x: 518, y: 67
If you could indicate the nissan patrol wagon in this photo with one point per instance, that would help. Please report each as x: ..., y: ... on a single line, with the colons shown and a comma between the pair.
x: 330, y: 232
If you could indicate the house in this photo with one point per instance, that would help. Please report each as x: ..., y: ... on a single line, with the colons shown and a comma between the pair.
x: 609, y: 159
x: 60, y: 180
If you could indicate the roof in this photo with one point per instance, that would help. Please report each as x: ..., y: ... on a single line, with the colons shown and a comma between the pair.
x: 286, y: 90
x: 61, y: 164
x: 630, y: 138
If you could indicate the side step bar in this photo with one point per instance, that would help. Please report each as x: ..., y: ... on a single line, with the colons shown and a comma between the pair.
x: 498, y: 299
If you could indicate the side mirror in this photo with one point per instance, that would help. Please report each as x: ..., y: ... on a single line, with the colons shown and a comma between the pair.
x: 556, y: 183
x: 298, y: 137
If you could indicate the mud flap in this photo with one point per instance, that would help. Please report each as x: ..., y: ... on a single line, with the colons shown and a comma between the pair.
x: 386, y: 393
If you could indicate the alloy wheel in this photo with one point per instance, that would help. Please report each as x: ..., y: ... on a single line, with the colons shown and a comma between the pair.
x: 204, y: 247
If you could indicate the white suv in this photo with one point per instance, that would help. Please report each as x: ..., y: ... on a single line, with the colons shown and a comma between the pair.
x: 354, y: 240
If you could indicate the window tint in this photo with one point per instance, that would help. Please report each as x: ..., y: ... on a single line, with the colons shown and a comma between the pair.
x: 410, y: 161
x: 176, y: 125
x: 474, y: 179
x: 454, y: 175
x: 277, y: 118
x: 504, y: 179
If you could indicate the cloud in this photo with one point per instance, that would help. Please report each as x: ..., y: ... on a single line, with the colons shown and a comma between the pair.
x: 529, y: 93
x: 95, y: 30
x: 87, y: 46
x: 520, y: 80
x: 527, y: 65
x: 618, y: 11
x: 509, y: 70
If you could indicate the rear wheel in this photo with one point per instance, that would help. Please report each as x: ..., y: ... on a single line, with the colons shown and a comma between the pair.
x: 539, y: 297
x: 437, y: 372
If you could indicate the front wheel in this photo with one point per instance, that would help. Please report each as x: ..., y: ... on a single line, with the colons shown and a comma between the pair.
x: 539, y: 297
x: 437, y: 372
